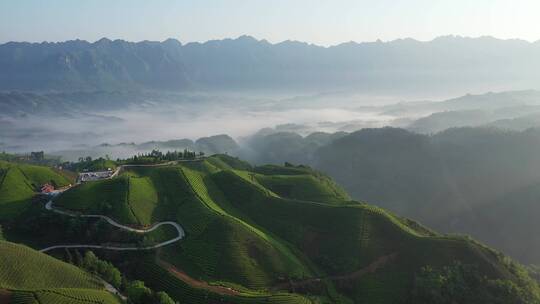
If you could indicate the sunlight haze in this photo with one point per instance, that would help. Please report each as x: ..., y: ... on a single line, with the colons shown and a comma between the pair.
x: 314, y: 21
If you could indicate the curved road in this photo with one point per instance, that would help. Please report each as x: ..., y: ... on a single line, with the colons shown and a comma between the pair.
x: 179, y: 229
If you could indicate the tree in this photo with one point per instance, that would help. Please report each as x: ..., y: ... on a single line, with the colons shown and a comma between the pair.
x: 90, y: 261
x: 110, y: 274
x: 459, y: 283
x: 163, y: 298
x: 137, y: 293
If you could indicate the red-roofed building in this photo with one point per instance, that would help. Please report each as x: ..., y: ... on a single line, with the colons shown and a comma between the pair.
x: 47, y: 188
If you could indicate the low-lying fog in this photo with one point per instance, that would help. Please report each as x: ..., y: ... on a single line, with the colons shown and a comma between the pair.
x: 79, y: 132
x: 156, y: 121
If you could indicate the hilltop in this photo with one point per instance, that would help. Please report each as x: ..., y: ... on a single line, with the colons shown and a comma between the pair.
x: 289, y: 234
x: 19, y: 183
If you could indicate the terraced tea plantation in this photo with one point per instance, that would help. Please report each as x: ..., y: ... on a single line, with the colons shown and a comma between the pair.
x: 264, y: 232
x: 267, y: 234
x: 20, y: 182
x: 33, y: 277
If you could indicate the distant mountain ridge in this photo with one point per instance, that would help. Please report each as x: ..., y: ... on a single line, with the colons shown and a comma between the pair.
x: 248, y: 63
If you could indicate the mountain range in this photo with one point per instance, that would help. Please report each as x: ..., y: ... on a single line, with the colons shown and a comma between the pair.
x: 248, y: 63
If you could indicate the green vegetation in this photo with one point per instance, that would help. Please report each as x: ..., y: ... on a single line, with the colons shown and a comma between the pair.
x: 370, y: 232
x: 74, y: 296
x: 304, y: 187
x: 225, y: 162
x: 156, y: 157
x: 109, y: 196
x: 458, y: 283
x: 288, y: 169
x: 37, y: 278
x: 39, y: 271
x: 161, y: 279
x: 287, y: 234
x: 104, y: 269
x: 38, y: 176
x: 321, y: 230
x: 40, y: 228
x: 142, y: 199
x: 19, y: 183
x: 479, y: 181
x: 136, y: 291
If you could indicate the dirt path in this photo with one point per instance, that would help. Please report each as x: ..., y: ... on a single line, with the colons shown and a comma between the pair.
x: 196, y: 283
x: 371, y: 268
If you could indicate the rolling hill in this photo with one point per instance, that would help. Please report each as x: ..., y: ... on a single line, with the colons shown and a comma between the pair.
x: 275, y: 234
x: 30, y: 277
x: 477, y: 181
x: 20, y: 182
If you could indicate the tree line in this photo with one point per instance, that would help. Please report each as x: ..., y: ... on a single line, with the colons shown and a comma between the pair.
x: 136, y: 291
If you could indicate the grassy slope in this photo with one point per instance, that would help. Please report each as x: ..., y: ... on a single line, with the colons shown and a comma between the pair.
x: 160, y: 279
x: 241, y: 234
x: 108, y: 196
x: 18, y: 184
x: 299, y: 182
x: 38, y: 176
x: 304, y: 187
x: 40, y: 276
x: 225, y: 162
x: 143, y: 199
x: 342, y: 239
x: 325, y: 234
x: 210, y: 195
x: 203, y: 220
x: 216, y: 249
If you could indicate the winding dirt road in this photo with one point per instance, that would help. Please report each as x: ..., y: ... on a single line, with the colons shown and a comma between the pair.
x: 179, y: 230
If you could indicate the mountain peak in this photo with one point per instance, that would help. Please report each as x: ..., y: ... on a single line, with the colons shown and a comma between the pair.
x: 103, y: 40
x: 172, y: 41
x: 247, y: 38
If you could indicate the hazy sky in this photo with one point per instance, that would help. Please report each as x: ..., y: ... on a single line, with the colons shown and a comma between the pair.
x: 323, y: 22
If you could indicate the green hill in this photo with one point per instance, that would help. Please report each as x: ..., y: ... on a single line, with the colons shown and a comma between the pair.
x: 476, y: 181
x: 109, y: 196
x: 259, y: 232
x: 32, y: 277
x: 275, y: 234
x: 511, y: 215
x: 304, y: 186
x: 20, y: 182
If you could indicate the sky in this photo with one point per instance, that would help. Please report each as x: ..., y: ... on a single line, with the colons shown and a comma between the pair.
x: 323, y: 22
